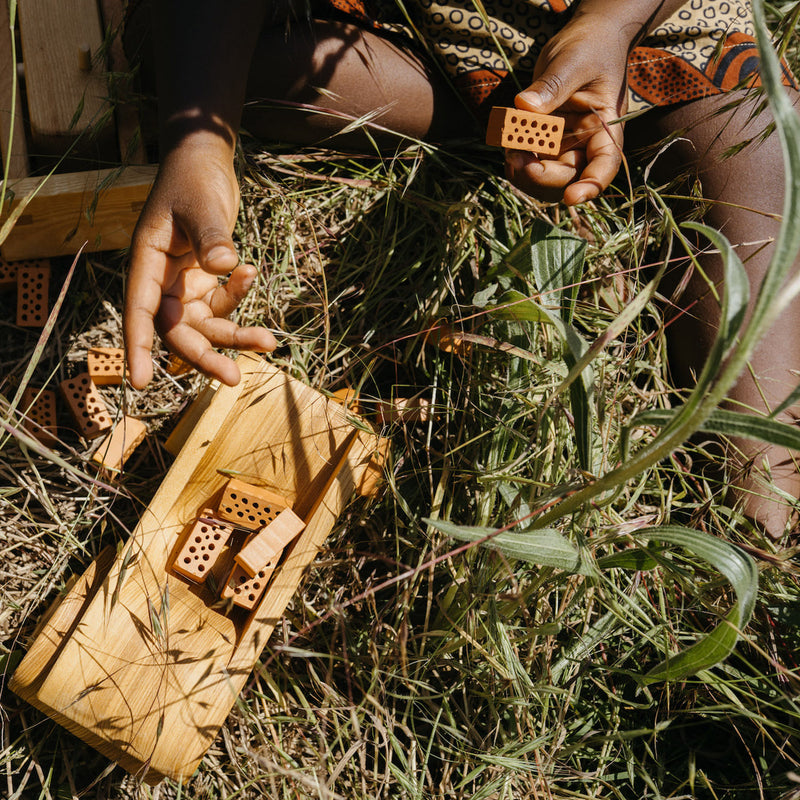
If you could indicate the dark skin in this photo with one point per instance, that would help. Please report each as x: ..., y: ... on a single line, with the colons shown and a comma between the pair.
x: 182, y: 249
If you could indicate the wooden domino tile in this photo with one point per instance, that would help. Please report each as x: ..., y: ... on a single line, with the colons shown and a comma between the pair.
x: 8, y: 274
x: 39, y: 406
x: 249, y: 507
x: 202, y: 547
x: 86, y: 405
x: 106, y: 365
x: 266, y: 545
x: 524, y: 130
x: 119, y: 445
x: 244, y: 590
x: 33, y: 287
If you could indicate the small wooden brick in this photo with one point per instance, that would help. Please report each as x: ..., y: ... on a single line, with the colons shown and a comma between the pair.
x: 86, y: 405
x: 374, y: 471
x: 33, y: 286
x: 106, y: 365
x: 244, y: 590
x: 39, y: 406
x: 249, y: 507
x: 404, y: 410
x: 119, y: 445
x: 8, y: 274
x: 202, y: 547
x: 524, y: 130
x: 266, y: 545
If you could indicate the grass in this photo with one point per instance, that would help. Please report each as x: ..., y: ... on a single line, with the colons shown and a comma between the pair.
x: 408, y: 665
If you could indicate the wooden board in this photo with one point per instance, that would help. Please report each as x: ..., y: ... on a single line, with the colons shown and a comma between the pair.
x: 98, y: 208
x: 12, y: 130
x: 64, y: 100
x: 134, y: 650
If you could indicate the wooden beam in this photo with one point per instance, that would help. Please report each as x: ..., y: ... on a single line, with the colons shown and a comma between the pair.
x: 98, y: 208
x: 64, y: 100
x: 12, y: 131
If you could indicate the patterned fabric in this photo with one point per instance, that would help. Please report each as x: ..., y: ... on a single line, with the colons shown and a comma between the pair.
x: 490, y: 47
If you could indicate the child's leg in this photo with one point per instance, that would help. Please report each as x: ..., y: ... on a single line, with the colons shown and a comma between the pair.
x: 746, y: 198
x: 341, y: 68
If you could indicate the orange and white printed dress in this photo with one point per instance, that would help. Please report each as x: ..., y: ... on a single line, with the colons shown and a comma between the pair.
x: 490, y: 47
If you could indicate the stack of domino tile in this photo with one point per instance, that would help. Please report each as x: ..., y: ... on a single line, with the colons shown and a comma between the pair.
x: 269, y: 525
x: 105, y: 367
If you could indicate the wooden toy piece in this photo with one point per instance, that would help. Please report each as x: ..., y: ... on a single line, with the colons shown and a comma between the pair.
x: 33, y: 287
x: 134, y: 651
x: 57, y: 221
x: 86, y: 405
x: 373, y: 475
x: 524, y: 130
x: 106, y: 365
x: 8, y: 273
x: 405, y: 410
x: 202, y: 547
x: 246, y: 590
x: 348, y: 397
x: 119, y: 445
x: 266, y: 545
x: 448, y: 340
x: 176, y: 366
x: 189, y: 418
x: 39, y: 406
x: 249, y: 507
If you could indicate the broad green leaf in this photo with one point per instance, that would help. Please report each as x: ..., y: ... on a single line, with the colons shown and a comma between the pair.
x: 555, y: 258
x: 731, y: 423
x: 545, y: 547
x: 514, y: 305
x: 742, y: 573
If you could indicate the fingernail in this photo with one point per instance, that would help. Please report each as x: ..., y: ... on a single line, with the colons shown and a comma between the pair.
x: 217, y: 253
x: 531, y: 98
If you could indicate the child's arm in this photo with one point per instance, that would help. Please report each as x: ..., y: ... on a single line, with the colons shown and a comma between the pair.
x: 581, y: 74
x: 182, y: 241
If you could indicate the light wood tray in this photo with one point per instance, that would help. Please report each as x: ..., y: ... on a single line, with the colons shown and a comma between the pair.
x: 144, y: 666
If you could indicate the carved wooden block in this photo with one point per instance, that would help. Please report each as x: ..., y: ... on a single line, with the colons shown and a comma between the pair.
x: 404, y: 410
x: 524, y: 130
x: 202, y: 547
x: 249, y: 507
x: 119, y: 445
x: 244, y: 590
x: 33, y: 286
x: 106, y: 365
x: 86, y: 405
x: 39, y: 406
x: 373, y: 475
x: 266, y: 545
x: 8, y: 274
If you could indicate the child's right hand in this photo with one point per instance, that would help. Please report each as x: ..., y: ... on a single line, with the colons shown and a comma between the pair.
x: 181, y: 246
x: 580, y: 75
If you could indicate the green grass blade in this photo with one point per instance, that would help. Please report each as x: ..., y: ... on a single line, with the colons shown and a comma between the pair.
x: 740, y: 570
x: 545, y: 547
x: 731, y: 423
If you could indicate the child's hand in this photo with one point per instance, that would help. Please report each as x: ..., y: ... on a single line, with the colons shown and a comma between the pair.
x: 181, y: 244
x: 581, y: 76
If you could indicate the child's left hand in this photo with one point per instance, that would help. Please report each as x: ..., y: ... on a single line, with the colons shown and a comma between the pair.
x: 580, y: 75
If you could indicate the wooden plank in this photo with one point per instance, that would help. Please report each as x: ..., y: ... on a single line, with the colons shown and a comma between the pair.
x: 64, y: 100
x: 12, y: 130
x: 113, y: 676
x: 98, y: 208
